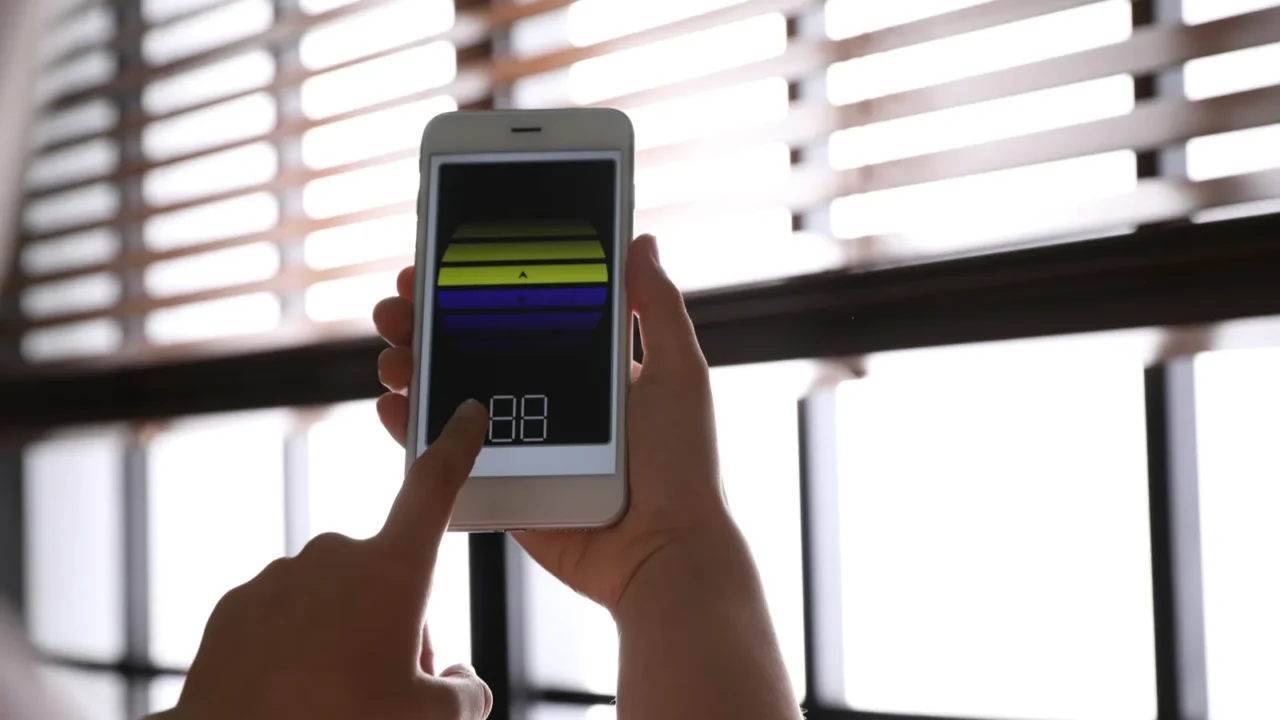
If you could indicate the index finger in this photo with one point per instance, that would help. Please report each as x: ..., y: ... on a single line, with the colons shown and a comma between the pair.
x: 420, y: 514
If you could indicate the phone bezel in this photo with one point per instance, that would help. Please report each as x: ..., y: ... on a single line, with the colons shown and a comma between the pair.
x: 534, y: 502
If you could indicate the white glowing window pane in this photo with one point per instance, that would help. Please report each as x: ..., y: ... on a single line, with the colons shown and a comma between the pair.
x: 361, y: 189
x: 965, y: 210
x: 983, y: 122
x: 979, y: 52
x: 970, y: 588
x: 222, y: 124
x: 361, y: 242
x: 758, y: 432
x: 79, y: 162
x: 540, y: 34
x: 573, y: 712
x: 753, y: 169
x: 164, y: 692
x: 157, y: 11
x: 1238, y: 210
x: 681, y: 58
x: 84, y: 694
x: 212, y: 270
x: 73, y: 495
x: 242, y: 315
x: 1237, y: 422
x: 355, y: 471
x: 572, y: 642
x: 730, y: 249
x: 348, y: 298
x: 210, y: 174
x: 1195, y: 12
x: 224, y: 78
x: 88, y: 338
x: 219, y: 26
x: 1232, y: 72
x: 383, y: 79
x: 87, y: 118
x: 89, y: 247
x: 242, y: 215
x: 84, y: 72
x: 387, y: 25
x: 366, y: 136
x: 710, y: 113
x: 846, y: 18
x: 73, y: 295
x: 216, y: 498
x: 1233, y: 153
x: 593, y: 21
x: 89, y: 26
x: 85, y: 205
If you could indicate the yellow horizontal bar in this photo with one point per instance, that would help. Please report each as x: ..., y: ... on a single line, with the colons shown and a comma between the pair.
x: 519, y: 251
x: 523, y: 275
x: 524, y: 228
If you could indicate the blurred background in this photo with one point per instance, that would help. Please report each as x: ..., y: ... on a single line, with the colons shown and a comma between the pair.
x: 989, y: 287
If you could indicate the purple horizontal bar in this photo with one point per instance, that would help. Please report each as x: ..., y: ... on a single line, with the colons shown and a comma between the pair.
x: 522, y: 298
x: 522, y: 322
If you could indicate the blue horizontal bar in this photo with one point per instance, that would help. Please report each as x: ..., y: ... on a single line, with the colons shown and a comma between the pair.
x: 522, y: 298
x: 522, y: 322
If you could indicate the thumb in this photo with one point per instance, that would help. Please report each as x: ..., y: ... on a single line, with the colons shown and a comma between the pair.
x: 666, y: 332
x: 458, y: 687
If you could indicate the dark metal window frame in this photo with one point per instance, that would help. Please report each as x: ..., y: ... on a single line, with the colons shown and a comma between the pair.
x: 1167, y: 276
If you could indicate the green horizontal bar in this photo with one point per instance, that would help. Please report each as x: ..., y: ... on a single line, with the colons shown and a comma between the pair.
x: 471, y: 275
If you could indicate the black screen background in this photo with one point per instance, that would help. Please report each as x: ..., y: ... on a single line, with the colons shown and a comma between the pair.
x: 575, y: 373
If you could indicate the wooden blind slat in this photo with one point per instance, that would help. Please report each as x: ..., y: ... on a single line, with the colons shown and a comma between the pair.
x: 466, y: 25
x: 1151, y: 49
x: 1152, y: 125
x: 960, y: 22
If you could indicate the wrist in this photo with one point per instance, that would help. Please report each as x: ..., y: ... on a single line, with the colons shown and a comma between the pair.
x: 708, y: 568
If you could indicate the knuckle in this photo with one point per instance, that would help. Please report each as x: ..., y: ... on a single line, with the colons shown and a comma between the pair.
x: 326, y: 544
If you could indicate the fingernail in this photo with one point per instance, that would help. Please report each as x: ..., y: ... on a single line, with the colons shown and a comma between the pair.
x: 469, y: 408
x: 653, y: 249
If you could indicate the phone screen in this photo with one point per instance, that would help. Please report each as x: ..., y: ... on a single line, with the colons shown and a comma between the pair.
x: 521, y: 307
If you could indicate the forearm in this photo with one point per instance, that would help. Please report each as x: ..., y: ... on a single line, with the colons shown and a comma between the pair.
x: 697, y: 641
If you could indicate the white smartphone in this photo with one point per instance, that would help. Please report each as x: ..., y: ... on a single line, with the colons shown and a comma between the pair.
x: 524, y: 220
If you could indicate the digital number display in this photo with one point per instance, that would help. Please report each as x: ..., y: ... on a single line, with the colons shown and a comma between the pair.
x: 523, y: 290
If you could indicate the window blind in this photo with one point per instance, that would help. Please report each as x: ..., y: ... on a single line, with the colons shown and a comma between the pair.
x: 217, y: 176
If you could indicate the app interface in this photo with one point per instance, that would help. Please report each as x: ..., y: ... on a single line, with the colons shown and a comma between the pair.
x: 523, y: 297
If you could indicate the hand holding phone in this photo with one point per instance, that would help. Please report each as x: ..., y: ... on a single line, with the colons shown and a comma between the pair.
x: 676, y: 503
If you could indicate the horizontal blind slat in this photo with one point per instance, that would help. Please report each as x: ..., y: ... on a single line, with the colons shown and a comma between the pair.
x: 467, y: 24
x: 1151, y: 49
x: 1152, y: 125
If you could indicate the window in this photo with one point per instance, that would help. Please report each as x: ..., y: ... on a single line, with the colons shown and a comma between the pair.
x: 886, y: 216
x: 994, y: 539
x: 1236, y: 419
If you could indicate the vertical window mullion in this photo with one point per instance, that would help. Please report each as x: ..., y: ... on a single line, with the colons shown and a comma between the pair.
x: 1177, y: 584
x: 820, y: 547
x: 137, y: 581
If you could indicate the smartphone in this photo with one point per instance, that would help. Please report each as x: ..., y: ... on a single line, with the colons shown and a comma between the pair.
x: 524, y: 220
